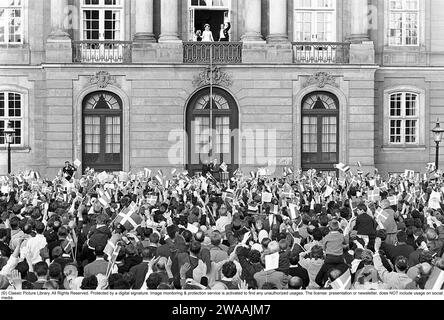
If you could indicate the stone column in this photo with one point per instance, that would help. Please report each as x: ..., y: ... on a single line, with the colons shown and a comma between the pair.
x: 359, y: 21
x: 169, y: 10
x: 278, y: 21
x: 58, y: 19
x: 362, y: 50
x: 58, y: 46
x: 144, y: 21
x: 252, y: 18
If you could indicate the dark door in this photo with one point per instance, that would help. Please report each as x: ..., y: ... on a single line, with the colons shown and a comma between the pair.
x: 215, y: 18
x: 102, y: 132
x: 320, y: 131
x: 212, y: 134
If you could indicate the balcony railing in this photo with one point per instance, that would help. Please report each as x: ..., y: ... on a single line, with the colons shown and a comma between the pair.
x: 321, y: 52
x: 223, y: 52
x: 91, y: 51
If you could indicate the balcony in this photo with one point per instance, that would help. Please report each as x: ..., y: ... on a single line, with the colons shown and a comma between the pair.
x: 92, y: 51
x: 321, y: 52
x: 222, y: 52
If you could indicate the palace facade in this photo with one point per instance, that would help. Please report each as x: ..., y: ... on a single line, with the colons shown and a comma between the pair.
x: 122, y: 85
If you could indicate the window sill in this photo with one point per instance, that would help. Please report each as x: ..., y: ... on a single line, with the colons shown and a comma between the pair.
x: 13, y: 46
x: 16, y: 149
x: 403, y: 148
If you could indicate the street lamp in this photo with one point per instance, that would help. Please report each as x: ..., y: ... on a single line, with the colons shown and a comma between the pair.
x: 437, y: 131
x: 9, y: 136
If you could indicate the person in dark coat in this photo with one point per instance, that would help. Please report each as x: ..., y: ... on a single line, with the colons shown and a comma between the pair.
x: 140, y: 270
x: 400, y: 249
x: 365, y: 225
x: 296, y: 270
x: 225, y: 32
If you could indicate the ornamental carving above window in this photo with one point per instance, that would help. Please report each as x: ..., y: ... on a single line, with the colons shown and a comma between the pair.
x: 321, y: 79
x: 220, y: 78
x: 102, y: 79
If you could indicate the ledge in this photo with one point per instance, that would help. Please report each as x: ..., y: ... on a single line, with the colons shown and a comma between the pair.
x: 403, y: 148
x: 16, y: 150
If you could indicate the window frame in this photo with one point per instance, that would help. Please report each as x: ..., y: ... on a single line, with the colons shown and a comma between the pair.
x: 101, y: 7
x: 320, y: 114
x: 201, y: 7
x: 419, y: 117
x: 314, y: 22
x: 23, y: 19
x: 420, y: 22
x: 23, y: 118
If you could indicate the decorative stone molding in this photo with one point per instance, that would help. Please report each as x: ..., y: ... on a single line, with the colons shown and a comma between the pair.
x: 321, y: 79
x: 102, y: 79
x: 220, y: 78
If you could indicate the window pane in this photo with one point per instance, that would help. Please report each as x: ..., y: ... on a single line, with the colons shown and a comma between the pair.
x: 15, y: 26
x: 14, y: 105
x: 17, y: 126
x: 310, y: 134
x: 113, y: 135
x: 2, y: 132
x: 329, y: 134
x: 3, y: 19
x: 202, y: 135
x: 410, y: 104
x: 404, y: 22
x: 395, y: 131
x: 395, y: 105
x: 92, y: 135
x: 410, y: 131
x: 222, y: 135
x: 2, y: 104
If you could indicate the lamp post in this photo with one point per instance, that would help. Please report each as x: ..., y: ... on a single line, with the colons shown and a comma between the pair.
x: 437, y: 132
x: 9, y: 136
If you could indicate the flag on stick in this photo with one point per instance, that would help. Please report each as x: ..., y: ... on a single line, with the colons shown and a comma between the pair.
x: 343, y: 282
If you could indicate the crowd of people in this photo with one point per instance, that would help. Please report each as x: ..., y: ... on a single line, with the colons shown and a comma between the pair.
x: 156, y: 231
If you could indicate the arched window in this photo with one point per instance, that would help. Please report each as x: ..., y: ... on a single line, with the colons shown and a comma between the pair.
x: 102, y: 131
x: 212, y: 129
x: 320, y: 131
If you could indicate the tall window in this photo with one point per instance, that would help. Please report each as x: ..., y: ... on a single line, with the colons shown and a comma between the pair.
x: 11, y: 109
x: 404, y: 118
x: 212, y: 12
x: 210, y: 3
x: 404, y: 22
x: 102, y: 20
x: 11, y: 21
x: 315, y: 20
x: 212, y: 125
x: 320, y: 131
x: 102, y: 131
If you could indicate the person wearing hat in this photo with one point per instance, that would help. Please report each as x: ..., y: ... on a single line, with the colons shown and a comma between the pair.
x: 207, y: 35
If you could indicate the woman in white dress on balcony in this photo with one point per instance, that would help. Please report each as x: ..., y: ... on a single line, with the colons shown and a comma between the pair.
x: 207, y: 35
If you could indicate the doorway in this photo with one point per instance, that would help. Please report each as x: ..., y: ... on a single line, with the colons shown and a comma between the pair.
x: 102, y: 131
x: 215, y: 18
x: 212, y: 134
x: 320, y: 131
